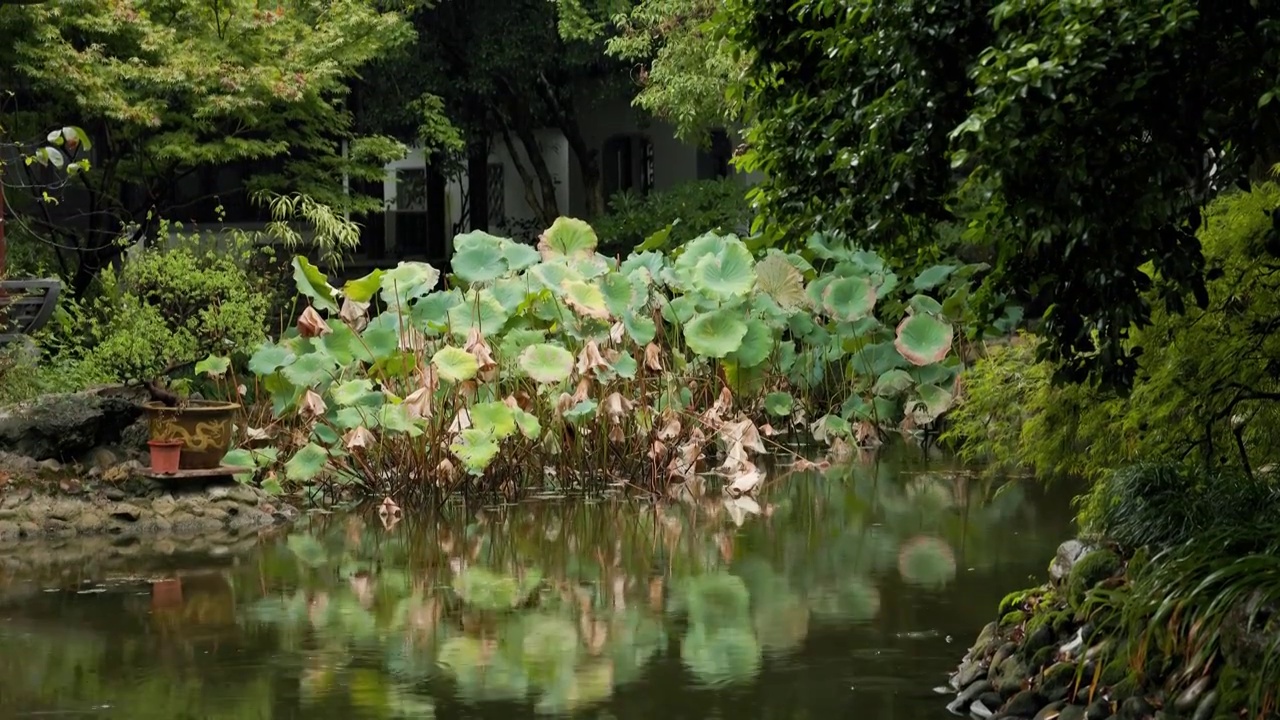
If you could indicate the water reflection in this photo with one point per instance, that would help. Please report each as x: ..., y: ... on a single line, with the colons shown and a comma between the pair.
x: 832, y: 591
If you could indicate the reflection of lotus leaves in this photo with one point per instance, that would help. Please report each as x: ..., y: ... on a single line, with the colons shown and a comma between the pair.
x: 484, y: 589
x: 782, y: 621
x: 636, y: 637
x: 883, y: 548
x: 481, y: 674
x: 717, y: 600
x: 856, y: 599
x: 591, y: 684
x: 930, y: 494
x: 549, y: 649
x: 927, y: 561
x: 721, y: 656
x: 308, y: 550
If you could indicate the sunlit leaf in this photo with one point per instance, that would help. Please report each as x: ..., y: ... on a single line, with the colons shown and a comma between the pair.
x: 307, y: 463
x: 455, y: 364
x: 363, y: 289
x: 567, y: 237
x: 313, y: 284
x: 715, y: 334
x: 476, y: 449
x: 214, y: 366
x: 408, y: 281
x: 923, y: 339
x: 497, y: 418
x: 546, y: 363
x: 585, y: 299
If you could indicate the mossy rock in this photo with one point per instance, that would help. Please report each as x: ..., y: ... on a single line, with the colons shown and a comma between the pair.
x: 1088, y: 572
x: 1012, y: 618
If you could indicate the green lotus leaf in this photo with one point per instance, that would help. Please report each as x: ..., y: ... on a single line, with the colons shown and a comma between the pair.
x: 620, y: 294
x: 849, y: 298
x: 528, y: 424
x: 715, y: 334
x: 476, y: 449
x: 270, y: 357
x: 478, y: 257
x: 585, y: 299
x: 394, y: 417
x: 307, y: 463
x: 779, y: 404
x: 584, y: 410
x: 512, y: 292
x: 351, y: 392
x: 893, y: 382
x: 781, y: 281
x: 363, y: 289
x: 933, y: 277
x: 756, y: 346
x: 831, y: 426
x: 430, y: 315
x: 625, y: 366
x: 357, y: 415
x: 546, y: 363
x: 923, y: 339
x: 641, y: 329
x: 680, y: 310
x: 516, y: 340
x: 694, y: 251
x: 497, y: 418
x: 408, y: 281
x: 455, y: 364
x: 310, y: 370
x: 519, y: 256
x: 568, y: 237
x: 744, y: 381
x: 552, y: 275
x: 343, y: 344
x: 479, y: 310
x: 726, y: 274
x: 313, y: 284
x: 924, y: 305
x: 935, y: 399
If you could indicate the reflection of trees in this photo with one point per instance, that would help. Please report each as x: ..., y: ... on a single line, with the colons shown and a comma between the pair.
x: 558, y: 606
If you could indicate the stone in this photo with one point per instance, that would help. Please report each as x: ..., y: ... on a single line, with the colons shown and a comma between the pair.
x: 1073, y: 712
x: 101, y: 459
x: 90, y: 521
x: 50, y: 466
x: 969, y: 671
x: 986, y: 640
x: 218, y: 492
x: 28, y: 530
x: 9, y: 530
x: 968, y: 695
x: 57, y: 528
x: 991, y: 699
x: 1040, y: 638
x: 1098, y: 710
x: 125, y: 512
x: 1010, y: 675
x: 1057, y: 681
x: 66, y: 426
x: 1068, y: 554
x: 1189, y: 699
x: 1023, y: 704
x: 1049, y: 712
x: 980, y: 710
x: 65, y: 510
x: 1136, y: 708
x: 164, y: 505
x: 250, y: 519
x: 115, y: 494
x: 1003, y: 652
x: 244, y: 495
x: 1207, y: 707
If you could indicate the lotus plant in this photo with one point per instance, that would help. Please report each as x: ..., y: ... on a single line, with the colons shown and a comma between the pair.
x: 554, y: 365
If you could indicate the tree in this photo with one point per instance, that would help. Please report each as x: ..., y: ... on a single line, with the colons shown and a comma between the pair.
x: 1078, y: 140
x: 165, y: 88
x: 682, y: 63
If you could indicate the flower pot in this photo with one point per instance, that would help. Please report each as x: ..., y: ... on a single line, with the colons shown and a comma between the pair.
x: 166, y: 456
x: 203, y: 426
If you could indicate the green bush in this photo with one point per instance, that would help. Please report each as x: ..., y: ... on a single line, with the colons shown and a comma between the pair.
x: 1208, y: 379
x: 689, y: 209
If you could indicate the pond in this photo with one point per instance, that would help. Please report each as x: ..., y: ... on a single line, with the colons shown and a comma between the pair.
x: 855, y: 591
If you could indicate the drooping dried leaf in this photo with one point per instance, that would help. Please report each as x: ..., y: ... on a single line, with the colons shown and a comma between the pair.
x: 461, y: 421
x: 590, y: 360
x: 358, y: 437
x: 745, y: 482
x: 311, y: 325
x: 615, y: 406
x: 312, y: 404
x: 418, y: 404
x: 355, y: 314
x: 617, y: 332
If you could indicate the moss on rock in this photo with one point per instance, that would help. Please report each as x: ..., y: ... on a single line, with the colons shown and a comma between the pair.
x: 1088, y: 572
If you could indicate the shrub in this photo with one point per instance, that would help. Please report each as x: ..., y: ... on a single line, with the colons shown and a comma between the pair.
x: 688, y: 210
x: 1208, y: 381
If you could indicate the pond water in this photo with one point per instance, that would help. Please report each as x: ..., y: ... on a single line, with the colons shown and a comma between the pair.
x: 852, y: 593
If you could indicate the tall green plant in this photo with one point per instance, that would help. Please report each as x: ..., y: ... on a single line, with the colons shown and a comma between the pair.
x: 558, y: 362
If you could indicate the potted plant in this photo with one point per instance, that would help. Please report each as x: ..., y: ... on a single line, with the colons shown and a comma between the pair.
x: 166, y: 455
x: 203, y: 427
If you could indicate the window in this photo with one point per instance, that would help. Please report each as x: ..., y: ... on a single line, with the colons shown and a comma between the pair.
x: 627, y: 164
x: 714, y: 161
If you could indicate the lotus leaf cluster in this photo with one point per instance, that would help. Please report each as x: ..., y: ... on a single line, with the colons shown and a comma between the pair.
x: 557, y: 365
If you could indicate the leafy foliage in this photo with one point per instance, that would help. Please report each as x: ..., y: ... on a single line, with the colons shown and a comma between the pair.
x: 563, y: 363
x: 1206, y: 389
x: 667, y: 219
x: 1074, y: 139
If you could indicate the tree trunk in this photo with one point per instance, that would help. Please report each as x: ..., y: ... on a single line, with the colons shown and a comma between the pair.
x: 588, y: 159
x: 478, y: 187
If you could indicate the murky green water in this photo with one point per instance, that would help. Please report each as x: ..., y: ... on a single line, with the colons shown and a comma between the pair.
x: 849, y: 595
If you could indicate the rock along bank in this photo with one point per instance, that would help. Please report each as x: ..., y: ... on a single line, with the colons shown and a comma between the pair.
x: 1050, y: 655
